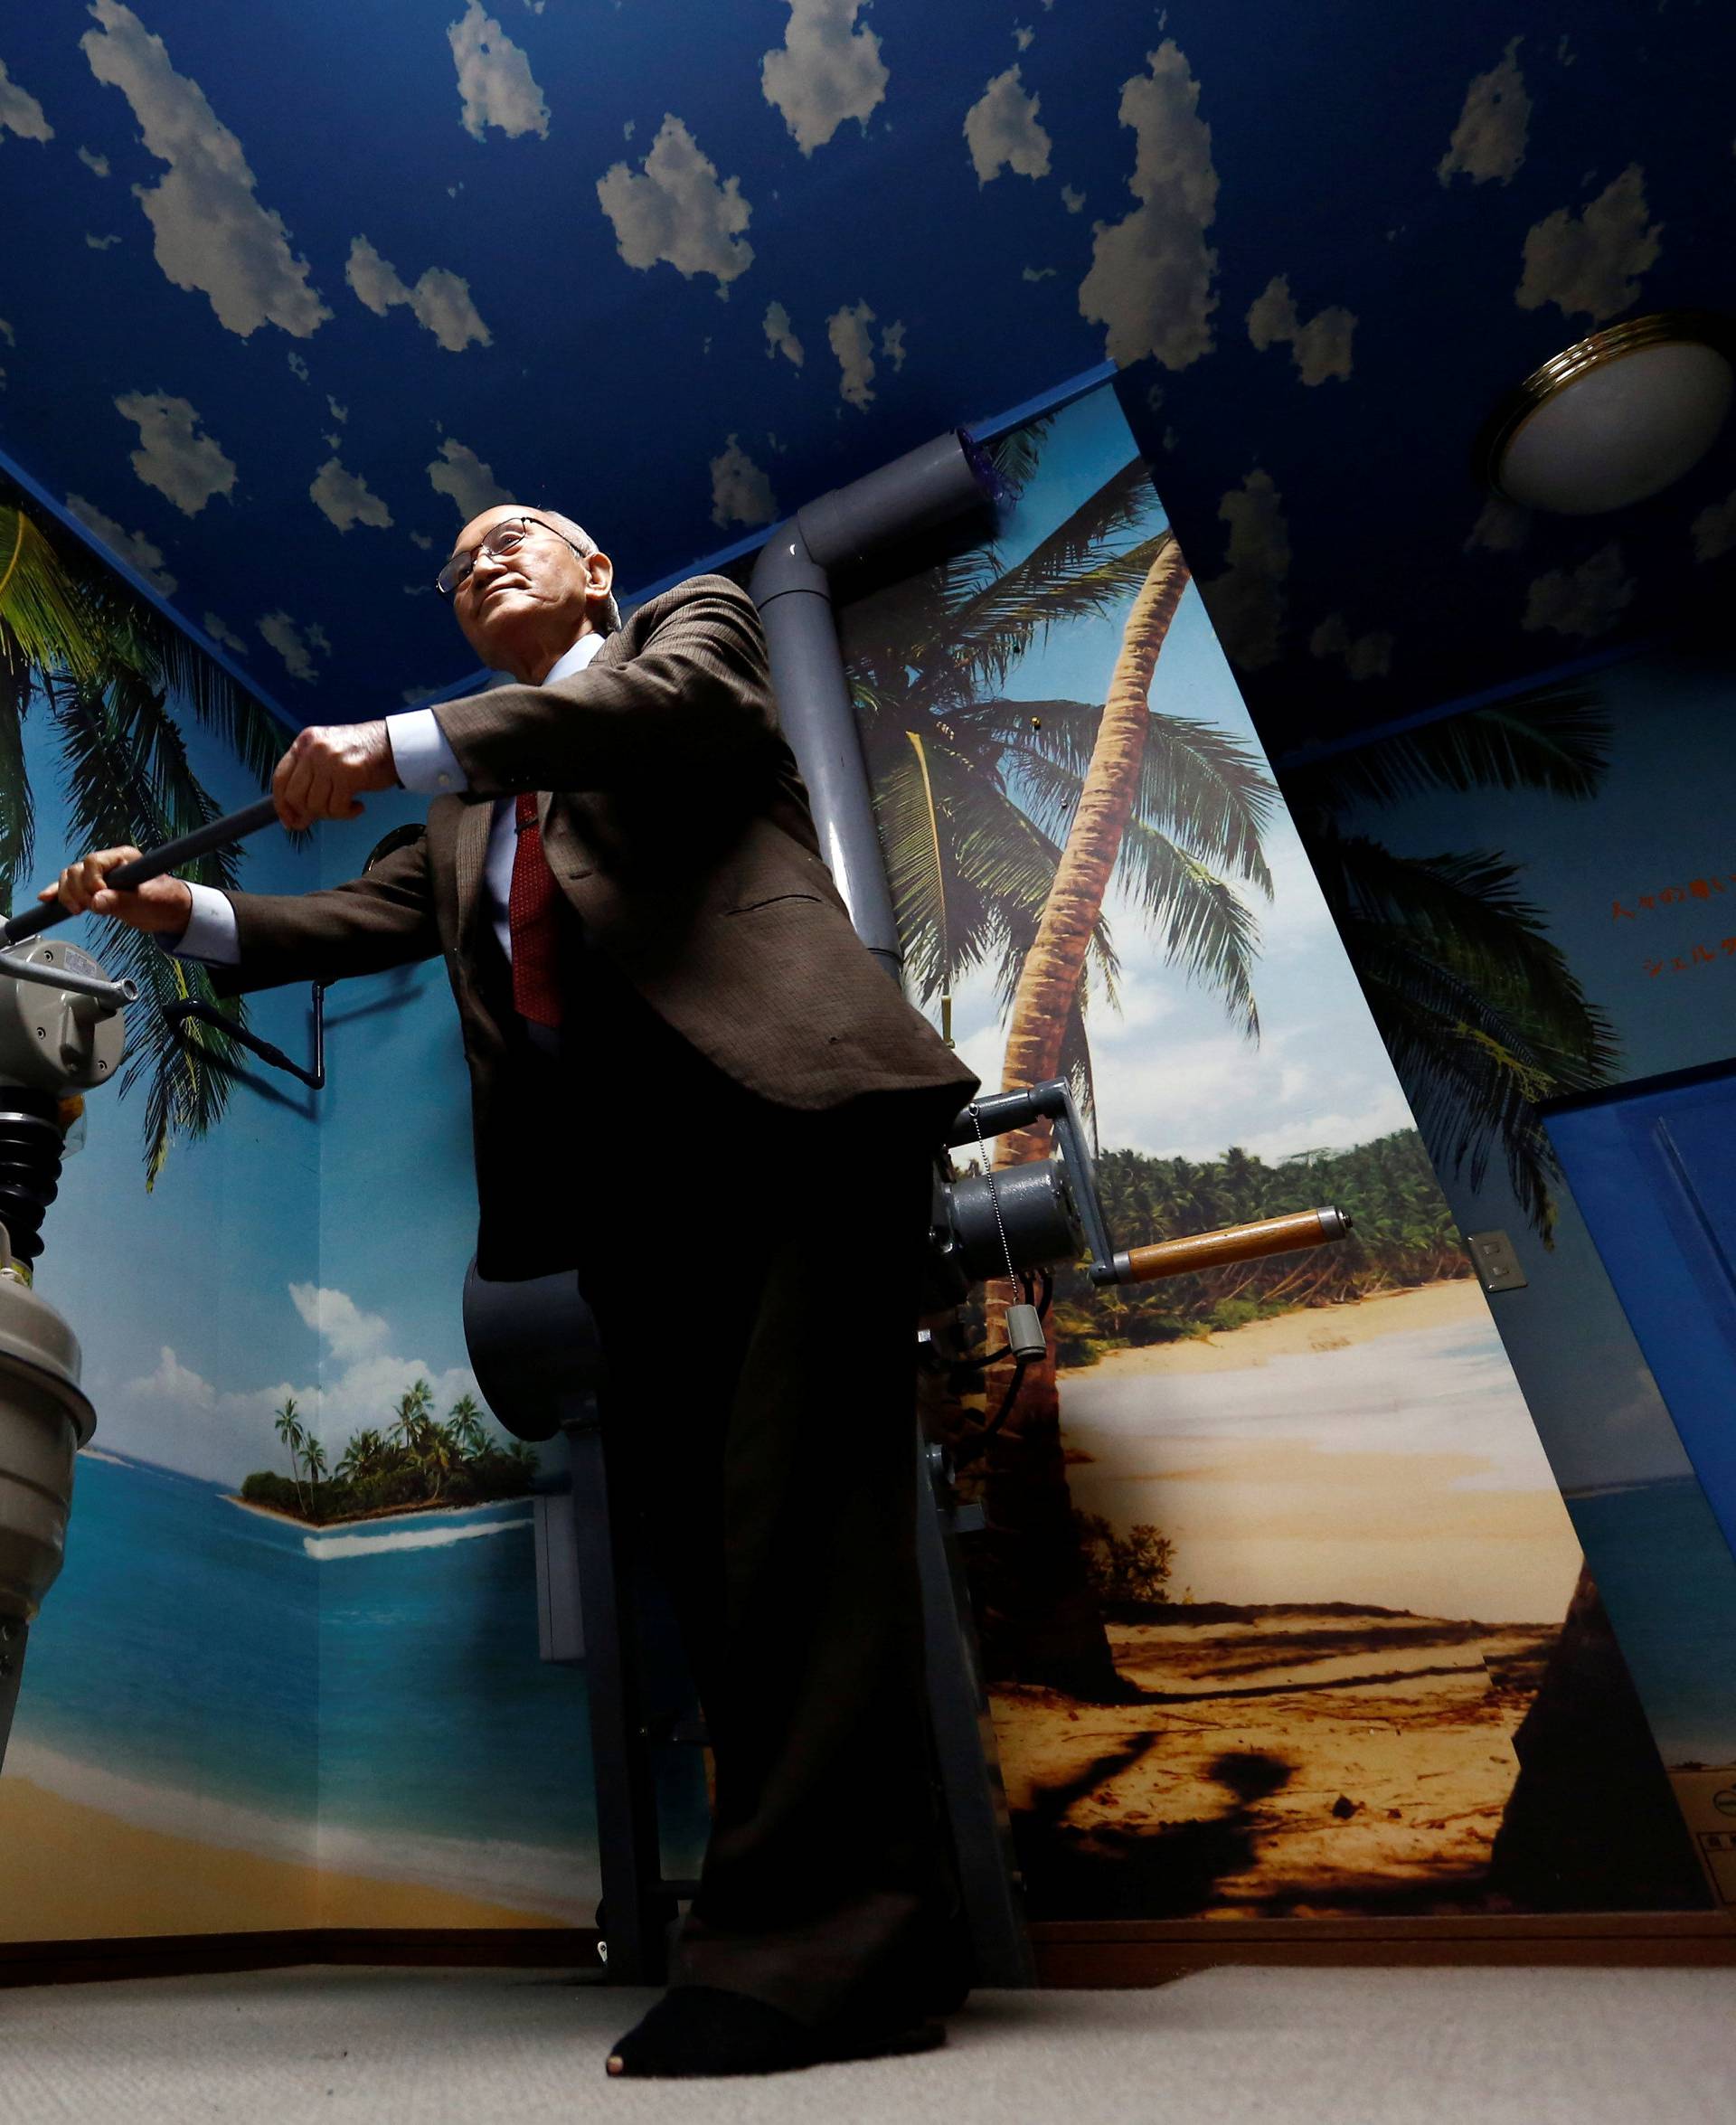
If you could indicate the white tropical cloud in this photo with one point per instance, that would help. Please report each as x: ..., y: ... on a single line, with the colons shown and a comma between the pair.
x: 1489, y: 140
x: 827, y: 70
x: 458, y: 472
x: 741, y: 491
x: 674, y: 210
x: 174, y: 455
x: 346, y: 498
x: 1501, y: 527
x: 780, y: 339
x: 1002, y: 132
x: 1071, y: 199
x: 1367, y: 657
x: 1150, y: 282
x: 1714, y: 530
x: 20, y: 112
x: 1320, y: 347
x: 891, y: 343
x: 172, y: 1381
x: 296, y: 644
x: 140, y: 555
x: 7, y: 333
x: 298, y: 366
x: 847, y: 332
x: 1581, y: 601
x: 100, y: 242
x: 97, y: 165
x: 495, y: 86
x: 440, y: 301
x: 358, y: 1382
x: 211, y: 234
x: 422, y: 539
x: 1590, y: 263
x: 335, y: 1317
x: 220, y: 631
x: 1247, y: 602
x: 339, y: 413
x: 1037, y: 273
x: 1023, y: 36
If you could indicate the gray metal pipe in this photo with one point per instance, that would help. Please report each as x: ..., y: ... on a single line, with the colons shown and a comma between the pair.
x: 791, y: 585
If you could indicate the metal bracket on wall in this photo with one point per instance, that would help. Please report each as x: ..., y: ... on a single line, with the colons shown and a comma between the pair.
x: 175, y: 1016
x: 1495, y: 1262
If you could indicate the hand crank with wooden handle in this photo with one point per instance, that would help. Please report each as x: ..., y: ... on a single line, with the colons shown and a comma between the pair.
x: 1195, y: 1250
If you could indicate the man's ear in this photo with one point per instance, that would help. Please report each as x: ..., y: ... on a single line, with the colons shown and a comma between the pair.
x: 600, y: 577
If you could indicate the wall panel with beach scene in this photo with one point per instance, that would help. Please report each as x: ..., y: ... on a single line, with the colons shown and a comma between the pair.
x: 1596, y: 813
x: 320, y: 1703
x: 1274, y: 1587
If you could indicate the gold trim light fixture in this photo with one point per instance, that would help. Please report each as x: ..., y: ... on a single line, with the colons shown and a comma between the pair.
x: 1614, y: 419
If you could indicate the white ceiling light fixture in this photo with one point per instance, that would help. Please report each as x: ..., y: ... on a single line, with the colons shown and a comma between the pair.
x: 1615, y: 418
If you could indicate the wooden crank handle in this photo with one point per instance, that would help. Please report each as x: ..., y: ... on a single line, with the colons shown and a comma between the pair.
x: 1267, y: 1235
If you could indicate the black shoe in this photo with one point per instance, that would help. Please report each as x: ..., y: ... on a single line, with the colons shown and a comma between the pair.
x: 699, y: 2031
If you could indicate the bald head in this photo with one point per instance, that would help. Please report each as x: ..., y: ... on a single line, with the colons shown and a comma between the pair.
x: 523, y: 610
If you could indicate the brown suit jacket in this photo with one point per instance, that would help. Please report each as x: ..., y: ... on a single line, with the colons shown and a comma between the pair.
x: 678, y: 828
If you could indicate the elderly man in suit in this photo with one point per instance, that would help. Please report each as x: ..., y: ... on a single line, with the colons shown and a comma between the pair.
x: 621, y: 873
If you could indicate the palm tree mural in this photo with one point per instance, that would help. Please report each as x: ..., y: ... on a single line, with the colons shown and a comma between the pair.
x: 287, y: 1425
x: 1480, y: 1011
x: 1005, y: 824
x: 976, y: 814
x: 108, y: 676
x: 1213, y: 806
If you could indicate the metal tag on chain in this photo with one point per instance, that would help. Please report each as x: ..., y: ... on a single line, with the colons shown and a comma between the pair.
x: 1024, y: 1335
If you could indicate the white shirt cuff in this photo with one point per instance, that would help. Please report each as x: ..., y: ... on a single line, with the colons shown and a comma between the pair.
x: 424, y: 760
x: 210, y: 934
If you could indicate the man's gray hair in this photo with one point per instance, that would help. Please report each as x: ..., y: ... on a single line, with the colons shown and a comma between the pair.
x: 587, y: 545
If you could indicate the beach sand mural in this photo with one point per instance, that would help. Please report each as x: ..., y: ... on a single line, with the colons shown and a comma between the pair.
x: 1370, y: 1561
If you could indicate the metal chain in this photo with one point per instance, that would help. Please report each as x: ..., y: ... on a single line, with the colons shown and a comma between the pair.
x: 993, y: 1195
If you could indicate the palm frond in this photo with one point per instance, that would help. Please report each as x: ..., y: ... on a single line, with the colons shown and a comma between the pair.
x: 1556, y: 740
x: 126, y: 779
x: 1464, y: 913
x: 1004, y: 621
x: 1209, y: 932
x: 17, y: 804
x: 46, y: 619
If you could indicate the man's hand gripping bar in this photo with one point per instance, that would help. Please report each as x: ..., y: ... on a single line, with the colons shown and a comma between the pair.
x: 235, y: 826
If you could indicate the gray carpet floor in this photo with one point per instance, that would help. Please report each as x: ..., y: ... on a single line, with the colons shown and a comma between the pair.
x: 1282, y: 2047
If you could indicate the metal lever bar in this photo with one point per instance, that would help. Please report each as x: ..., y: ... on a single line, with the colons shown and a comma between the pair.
x: 113, y: 995
x: 1267, y: 1235
x: 153, y: 863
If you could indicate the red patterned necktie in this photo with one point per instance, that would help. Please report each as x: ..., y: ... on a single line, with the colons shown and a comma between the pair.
x: 532, y: 924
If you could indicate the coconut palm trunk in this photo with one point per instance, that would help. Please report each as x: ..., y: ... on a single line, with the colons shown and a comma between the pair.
x: 1048, y: 983
x: 1046, y: 1626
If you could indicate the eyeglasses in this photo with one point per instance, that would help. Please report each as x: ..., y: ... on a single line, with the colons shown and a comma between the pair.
x: 506, y: 537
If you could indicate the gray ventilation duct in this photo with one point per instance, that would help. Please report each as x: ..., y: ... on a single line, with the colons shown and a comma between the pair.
x: 791, y: 586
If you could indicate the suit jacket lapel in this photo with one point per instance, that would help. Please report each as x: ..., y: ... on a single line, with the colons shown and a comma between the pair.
x: 470, y: 861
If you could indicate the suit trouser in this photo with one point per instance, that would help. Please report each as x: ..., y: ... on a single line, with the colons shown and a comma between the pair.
x: 753, y: 1271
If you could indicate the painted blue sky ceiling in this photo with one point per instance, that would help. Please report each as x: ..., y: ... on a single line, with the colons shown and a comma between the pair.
x: 291, y: 289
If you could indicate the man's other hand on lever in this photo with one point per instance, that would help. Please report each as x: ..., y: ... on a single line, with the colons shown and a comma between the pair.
x: 160, y: 906
x: 328, y: 768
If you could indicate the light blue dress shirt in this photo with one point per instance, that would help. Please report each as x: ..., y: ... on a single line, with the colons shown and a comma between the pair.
x: 425, y: 763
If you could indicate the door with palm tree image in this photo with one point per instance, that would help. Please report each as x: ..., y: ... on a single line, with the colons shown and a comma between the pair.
x: 113, y: 681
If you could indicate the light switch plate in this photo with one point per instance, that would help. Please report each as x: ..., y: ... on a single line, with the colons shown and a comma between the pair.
x: 1495, y: 1262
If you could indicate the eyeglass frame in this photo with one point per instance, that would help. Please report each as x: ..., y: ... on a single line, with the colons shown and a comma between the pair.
x: 481, y: 546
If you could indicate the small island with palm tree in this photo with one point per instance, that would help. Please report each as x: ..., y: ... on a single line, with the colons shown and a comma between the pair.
x: 420, y: 1462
